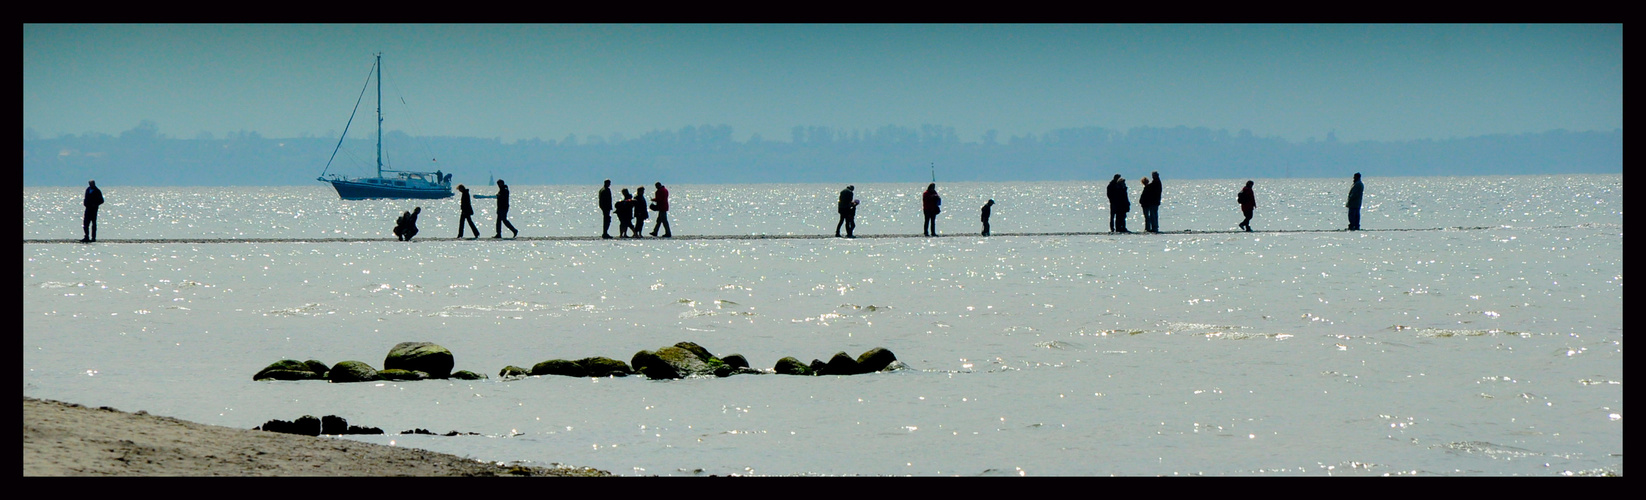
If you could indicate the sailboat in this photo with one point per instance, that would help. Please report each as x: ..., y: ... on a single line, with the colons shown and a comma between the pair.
x: 491, y: 182
x: 403, y: 184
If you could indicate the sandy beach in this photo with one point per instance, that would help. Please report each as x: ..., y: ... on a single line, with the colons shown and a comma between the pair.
x: 66, y: 439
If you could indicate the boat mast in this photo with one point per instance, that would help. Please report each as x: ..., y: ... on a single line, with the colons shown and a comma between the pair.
x: 379, y: 115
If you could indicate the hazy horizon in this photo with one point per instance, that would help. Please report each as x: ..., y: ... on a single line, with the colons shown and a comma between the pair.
x: 548, y: 82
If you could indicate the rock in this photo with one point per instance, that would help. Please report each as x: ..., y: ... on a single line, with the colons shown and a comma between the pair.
x: 467, y: 375
x: 332, y: 425
x: 874, y: 360
x: 816, y: 367
x: 512, y: 372
x: 840, y: 364
x: 286, y: 369
x: 317, y: 367
x: 677, y: 361
x: 791, y: 366
x: 305, y: 425
x: 426, y: 357
x: 735, y: 361
x: 600, y: 366
x: 352, y: 371
x: 399, y: 374
x: 559, y: 367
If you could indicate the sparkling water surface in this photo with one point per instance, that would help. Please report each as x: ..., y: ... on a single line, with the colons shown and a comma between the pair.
x: 1474, y: 329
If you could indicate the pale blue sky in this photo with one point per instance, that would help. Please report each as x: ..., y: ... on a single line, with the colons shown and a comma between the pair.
x: 1367, y: 82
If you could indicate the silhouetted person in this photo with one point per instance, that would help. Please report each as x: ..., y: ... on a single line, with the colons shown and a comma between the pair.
x: 660, y: 203
x: 503, y: 211
x: 88, y: 222
x: 1118, y: 205
x: 606, y: 210
x: 847, y: 207
x: 466, y: 214
x: 986, y: 207
x: 1248, y: 201
x: 1150, y: 201
x: 640, y: 211
x: 625, y: 215
x: 406, y: 226
x: 1354, y: 203
x: 931, y: 204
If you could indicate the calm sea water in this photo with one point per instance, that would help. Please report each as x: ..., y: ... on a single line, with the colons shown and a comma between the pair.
x: 1475, y: 329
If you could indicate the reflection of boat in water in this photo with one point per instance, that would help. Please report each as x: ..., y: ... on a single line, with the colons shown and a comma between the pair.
x: 404, y: 184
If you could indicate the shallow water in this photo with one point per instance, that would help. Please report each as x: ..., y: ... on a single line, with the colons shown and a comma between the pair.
x: 1484, y: 338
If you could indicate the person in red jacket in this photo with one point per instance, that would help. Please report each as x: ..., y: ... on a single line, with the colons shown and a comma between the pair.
x: 931, y: 205
x: 660, y: 203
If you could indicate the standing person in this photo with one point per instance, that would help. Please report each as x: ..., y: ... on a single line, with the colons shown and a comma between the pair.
x: 466, y: 214
x: 406, y: 226
x: 88, y: 222
x: 1118, y: 205
x: 932, y: 205
x: 1150, y: 201
x: 625, y: 214
x: 1248, y: 201
x: 660, y: 202
x: 606, y: 210
x: 847, y: 207
x: 986, y: 207
x: 503, y: 211
x: 1354, y: 203
x: 641, y: 211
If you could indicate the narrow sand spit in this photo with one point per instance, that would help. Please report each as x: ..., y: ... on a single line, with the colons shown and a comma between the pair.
x: 66, y: 439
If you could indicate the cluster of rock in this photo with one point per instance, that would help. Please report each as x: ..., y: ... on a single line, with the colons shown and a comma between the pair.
x: 424, y: 360
x: 307, y: 425
x: 406, y: 361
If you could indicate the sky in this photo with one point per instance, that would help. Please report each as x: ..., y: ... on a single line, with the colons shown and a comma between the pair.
x: 516, y: 82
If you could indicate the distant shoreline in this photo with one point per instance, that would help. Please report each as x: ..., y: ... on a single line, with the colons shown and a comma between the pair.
x: 67, y: 439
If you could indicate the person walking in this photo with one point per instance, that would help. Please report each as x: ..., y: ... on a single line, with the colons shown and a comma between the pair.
x: 606, y: 210
x: 1248, y: 201
x: 1118, y: 205
x: 406, y: 226
x: 847, y: 207
x: 503, y: 211
x: 986, y: 207
x: 466, y: 214
x: 88, y: 222
x: 640, y: 211
x: 660, y: 203
x: 931, y: 204
x: 625, y: 215
x: 1150, y: 201
x: 1354, y: 203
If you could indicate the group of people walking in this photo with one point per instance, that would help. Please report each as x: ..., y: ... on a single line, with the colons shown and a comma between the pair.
x: 633, y: 210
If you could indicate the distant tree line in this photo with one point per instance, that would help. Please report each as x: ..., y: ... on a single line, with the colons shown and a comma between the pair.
x: 708, y: 154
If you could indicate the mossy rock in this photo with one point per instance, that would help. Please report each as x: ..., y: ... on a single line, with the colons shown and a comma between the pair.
x: 467, y: 375
x: 817, y: 366
x: 790, y: 366
x: 351, y: 371
x: 600, y: 366
x: 736, y: 361
x: 559, y: 367
x: 426, y: 357
x: 698, y: 350
x: 673, y: 362
x: 876, y: 359
x: 318, y: 367
x: 399, y: 374
x: 286, y: 369
x: 511, y: 371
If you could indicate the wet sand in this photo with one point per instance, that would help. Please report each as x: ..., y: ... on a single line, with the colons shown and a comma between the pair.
x: 66, y: 439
